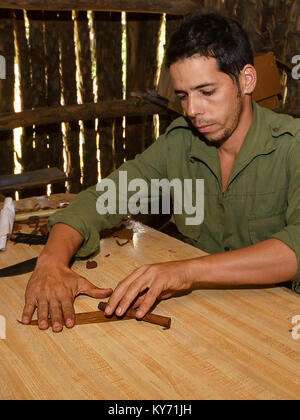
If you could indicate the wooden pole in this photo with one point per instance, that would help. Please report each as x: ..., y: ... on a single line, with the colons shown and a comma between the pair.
x: 38, y: 157
x: 26, y: 97
x: 172, y: 24
x: 69, y: 91
x: 108, y: 36
x: 104, y: 109
x: 7, y: 89
x: 52, y: 55
x: 84, y: 61
x: 142, y: 36
x: 174, y: 7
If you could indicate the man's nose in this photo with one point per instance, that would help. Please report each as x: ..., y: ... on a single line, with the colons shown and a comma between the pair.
x: 194, y: 107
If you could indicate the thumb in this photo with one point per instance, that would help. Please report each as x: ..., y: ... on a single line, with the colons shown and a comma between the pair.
x: 87, y: 288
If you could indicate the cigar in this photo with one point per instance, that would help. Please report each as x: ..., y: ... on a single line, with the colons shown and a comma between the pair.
x: 163, y: 321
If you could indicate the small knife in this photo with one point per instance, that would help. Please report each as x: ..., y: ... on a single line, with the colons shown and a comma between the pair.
x: 18, y: 269
x: 23, y: 267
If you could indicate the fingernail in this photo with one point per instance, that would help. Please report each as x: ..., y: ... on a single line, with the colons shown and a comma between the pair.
x: 107, y: 309
x: 119, y: 311
x: 56, y: 326
x: 139, y: 314
x: 69, y: 323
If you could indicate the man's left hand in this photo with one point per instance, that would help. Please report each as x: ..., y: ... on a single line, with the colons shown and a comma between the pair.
x: 147, y: 284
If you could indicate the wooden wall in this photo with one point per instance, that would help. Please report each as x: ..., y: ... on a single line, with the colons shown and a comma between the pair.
x: 272, y: 25
x: 55, y: 55
x: 53, y: 71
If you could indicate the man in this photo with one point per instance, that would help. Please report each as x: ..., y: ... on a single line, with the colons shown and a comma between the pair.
x: 249, y: 159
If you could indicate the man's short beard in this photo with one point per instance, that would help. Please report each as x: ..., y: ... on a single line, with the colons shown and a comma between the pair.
x: 222, y: 137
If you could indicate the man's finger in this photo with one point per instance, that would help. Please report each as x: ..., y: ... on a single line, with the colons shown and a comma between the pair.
x: 115, y: 299
x: 87, y: 288
x: 121, y: 290
x: 68, y: 314
x: 28, y: 312
x: 134, y: 289
x: 99, y: 293
x: 138, y: 301
x: 56, y: 315
x: 42, y: 313
x: 148, y: 302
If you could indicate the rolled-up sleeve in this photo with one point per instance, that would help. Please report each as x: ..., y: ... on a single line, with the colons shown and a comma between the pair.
x: 290, y: 234
x: 82, y: 214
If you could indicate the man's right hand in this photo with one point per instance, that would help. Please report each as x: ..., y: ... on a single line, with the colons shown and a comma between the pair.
x: 51, y: 290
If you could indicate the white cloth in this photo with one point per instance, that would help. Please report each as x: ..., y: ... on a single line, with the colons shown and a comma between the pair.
x: 7, y: 217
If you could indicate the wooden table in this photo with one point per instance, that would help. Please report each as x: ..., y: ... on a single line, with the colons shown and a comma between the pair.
x: 223, y: 344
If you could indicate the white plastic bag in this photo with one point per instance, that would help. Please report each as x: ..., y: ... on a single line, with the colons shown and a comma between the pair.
x: 7, y: 217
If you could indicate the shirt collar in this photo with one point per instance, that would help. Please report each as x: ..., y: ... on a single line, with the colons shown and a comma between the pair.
x: 258, y: 141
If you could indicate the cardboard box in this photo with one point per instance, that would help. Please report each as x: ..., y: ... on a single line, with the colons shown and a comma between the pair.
x: 266, y: 93
x: 268, y: 87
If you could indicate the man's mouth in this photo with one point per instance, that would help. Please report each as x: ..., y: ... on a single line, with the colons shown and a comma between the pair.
x: 205, y: 128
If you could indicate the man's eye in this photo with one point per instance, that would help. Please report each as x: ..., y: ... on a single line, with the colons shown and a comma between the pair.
x: 208, y: 92
x: 181, y: 98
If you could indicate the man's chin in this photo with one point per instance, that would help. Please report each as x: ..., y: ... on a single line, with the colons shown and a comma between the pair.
x: 212, y: 138
x: 217, y: 138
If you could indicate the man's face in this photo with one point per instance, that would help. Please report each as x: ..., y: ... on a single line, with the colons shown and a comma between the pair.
x: 209, y: 97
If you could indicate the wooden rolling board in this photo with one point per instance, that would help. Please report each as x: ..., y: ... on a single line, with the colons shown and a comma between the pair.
x: 223, y: 344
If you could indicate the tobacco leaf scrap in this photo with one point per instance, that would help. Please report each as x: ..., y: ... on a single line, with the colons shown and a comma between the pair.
x: 91, y: 264
x: 124, y: 233
x: 121, y: 232
x: 122, y: 243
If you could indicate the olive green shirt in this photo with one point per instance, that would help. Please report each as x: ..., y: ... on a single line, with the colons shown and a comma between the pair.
x: 261, y: 200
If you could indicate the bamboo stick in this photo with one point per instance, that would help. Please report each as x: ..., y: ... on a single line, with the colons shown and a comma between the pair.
x: 163, y: 321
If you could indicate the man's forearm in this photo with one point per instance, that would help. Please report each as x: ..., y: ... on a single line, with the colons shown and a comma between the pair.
x: 62, y: 244
x: 267, y: 262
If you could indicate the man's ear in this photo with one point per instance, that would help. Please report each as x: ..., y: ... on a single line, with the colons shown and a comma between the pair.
x: 248, y: 79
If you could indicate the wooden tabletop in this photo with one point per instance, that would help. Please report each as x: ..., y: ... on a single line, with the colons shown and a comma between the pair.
x: 222, y: 344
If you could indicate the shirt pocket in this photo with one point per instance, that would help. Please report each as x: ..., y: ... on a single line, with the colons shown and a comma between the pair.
x: 263, y: 228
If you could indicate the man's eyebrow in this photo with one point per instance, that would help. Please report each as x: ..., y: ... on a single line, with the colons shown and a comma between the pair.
x: 203, y: 85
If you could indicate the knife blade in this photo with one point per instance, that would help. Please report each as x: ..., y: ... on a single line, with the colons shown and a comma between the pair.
x: 17, y: 269
x: 23, y: 267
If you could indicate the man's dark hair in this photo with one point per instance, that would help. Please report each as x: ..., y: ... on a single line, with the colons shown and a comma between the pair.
x: 212, y: 35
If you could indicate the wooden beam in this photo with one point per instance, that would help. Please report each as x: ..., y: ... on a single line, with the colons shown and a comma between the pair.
x: 67, y: 113
x: 31, y: 179
x: 173, y: 7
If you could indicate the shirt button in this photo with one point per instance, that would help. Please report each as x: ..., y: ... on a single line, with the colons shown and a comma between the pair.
x: 192, y: 160
x: 276, y: 129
